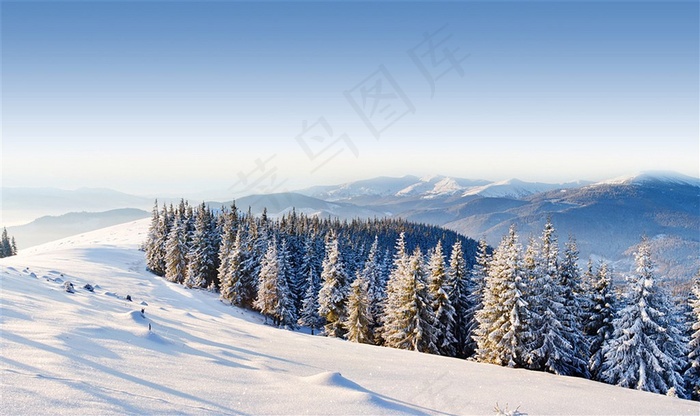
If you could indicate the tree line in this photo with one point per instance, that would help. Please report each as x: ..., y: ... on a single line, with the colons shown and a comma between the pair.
x: 370, y: 281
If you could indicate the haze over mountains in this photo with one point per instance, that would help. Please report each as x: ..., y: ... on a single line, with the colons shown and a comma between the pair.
x: 607, y: 218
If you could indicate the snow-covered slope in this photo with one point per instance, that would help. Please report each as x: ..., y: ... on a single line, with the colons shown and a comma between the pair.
x: 516, y: 189
x: 652, y: 177
x: 93, y: 353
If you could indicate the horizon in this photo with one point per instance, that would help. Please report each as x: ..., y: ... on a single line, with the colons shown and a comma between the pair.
x: 217, y: 195
x: 262, y: 98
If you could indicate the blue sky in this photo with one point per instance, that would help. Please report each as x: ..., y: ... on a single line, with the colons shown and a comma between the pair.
x: 174, y: 97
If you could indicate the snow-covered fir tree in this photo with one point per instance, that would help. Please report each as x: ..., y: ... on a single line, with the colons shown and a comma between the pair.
x: 8, y: 247
x: 558, y: 345
x: 500, y: 336
x: 644, y: 350
x: 458, y: 283
x: 372, y: 273
x: 267, y: 299
x: 333, y: 295
x: 692, y: 374
x: 156, y: 240
x: 358, y: 322
x: 411, y: 325
x: 176, y: 252
x: 392, y: 301
x: 309, y: 309
x: 229, y: 233
x: 201, y: 264
x: 599, y: 326
x: 286, y: 312
x: 474, y: 293
x: 439, y: 287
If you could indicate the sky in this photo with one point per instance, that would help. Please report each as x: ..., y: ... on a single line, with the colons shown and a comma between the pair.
x: 162, y: 97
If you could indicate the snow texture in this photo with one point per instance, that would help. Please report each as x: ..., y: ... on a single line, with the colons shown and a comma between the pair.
x: 88, y: 353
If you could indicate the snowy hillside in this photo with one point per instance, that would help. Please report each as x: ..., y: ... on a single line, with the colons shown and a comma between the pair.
x: 93, y: 353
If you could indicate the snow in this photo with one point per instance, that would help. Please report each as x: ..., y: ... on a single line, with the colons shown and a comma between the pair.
x: 511, y: 188
x: 653, y: 176
x: 92, y: 353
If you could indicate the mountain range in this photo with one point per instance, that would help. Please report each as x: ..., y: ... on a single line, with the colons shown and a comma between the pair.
x: 607, y: 218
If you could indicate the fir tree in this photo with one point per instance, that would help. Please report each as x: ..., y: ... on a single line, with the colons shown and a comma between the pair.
x: 359, y: 318
x: 228, y: 239
x: 393, y: 302
x: 372, y: 273
x: 201, y: 266
x: 413, y: 326
x: 334, y: 290
x: 439, y: 286
x: 156, y: 240
x: 175, y: 254
x: 267, y: 300
x: 643, y: 352
x: 309, y: 310
x: 500, y: 335
x: 458, y: 283
x: 692, y: 374
x: 599, y: 326
x: 285, y: 310
x: 558, y: 343
x: 7, y: 245
x: 474, y: 293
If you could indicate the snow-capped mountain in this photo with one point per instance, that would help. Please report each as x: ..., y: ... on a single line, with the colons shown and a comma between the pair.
x: 608, y: 218
x: 173, y: 350
x: 431, y: 187
x: 647, y: 177
x: 517, y: 189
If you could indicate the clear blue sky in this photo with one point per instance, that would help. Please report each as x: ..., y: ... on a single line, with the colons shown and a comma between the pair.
x: 180, y: 96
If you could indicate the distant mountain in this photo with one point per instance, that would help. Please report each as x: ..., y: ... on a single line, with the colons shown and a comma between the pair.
x: 607, y: 218
x: 430, y: 187
x: 283, y: 203
x: 514, y: 188
x: 50, y: 228
x: 22, y: 205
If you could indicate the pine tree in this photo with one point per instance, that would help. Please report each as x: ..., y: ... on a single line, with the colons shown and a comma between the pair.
x: 474, y: 293
x: 413, y: 326
x: 458, y: 282
x: 230, y: 268
x: 500, y: 335
x: 175, y: 253
x: 334, y: 290
x: 392, y: 302
x: 558, y: 344
x: 267, y: 300
x: 372, y: 273
x: 359, y: 318
x: 644, y: 350
x: 285, y: 312
x: 309, y: 310
x: 229, y: 234
x: 7, y: 245
x: 201, y: 266
x: 692, y: 374
x: 599, y: 326
x: 439, y: 286
x: 156, y: 240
